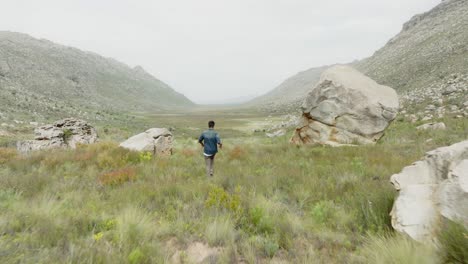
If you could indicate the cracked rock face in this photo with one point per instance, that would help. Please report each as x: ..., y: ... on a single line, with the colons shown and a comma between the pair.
x: 157, y: 141
x: 346, y: 107
x: 64, y: 133
x: 431, y: 190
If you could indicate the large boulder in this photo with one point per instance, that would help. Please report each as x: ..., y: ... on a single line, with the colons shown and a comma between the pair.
x: 64, y: 133
x: 431, y: 190
x: 157, y: 141
x: 346, y: 107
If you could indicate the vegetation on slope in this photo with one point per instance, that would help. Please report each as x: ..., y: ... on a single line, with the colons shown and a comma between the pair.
x: 430, y: 48
x: 39, y: 79
x: 290, y: 91
x: 269, y: 200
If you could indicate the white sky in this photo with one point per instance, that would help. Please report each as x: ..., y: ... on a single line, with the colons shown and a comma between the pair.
x: 213, y: 50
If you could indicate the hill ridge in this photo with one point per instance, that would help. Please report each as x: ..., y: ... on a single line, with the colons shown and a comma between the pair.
x: 38, y: 76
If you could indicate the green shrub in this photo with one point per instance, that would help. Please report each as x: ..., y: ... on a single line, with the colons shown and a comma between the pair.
x: 136, y: 256
x: 270, y: 247
x: 322, y: 212
x: 259, y: 222
x: 220, y: 232
x: 7, y: 154
x: 374, y: 211
x: 453, y: 240
x: 397, y: 249
x: 145, y: 156
x: 220, y: 199
x: 67, y: 134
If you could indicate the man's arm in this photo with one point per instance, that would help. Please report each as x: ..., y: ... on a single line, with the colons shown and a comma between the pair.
x: 200, y: 140
x: 218, y: 140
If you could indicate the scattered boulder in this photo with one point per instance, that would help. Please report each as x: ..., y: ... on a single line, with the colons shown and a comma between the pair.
x: 431, y: 190
x: 346, y: 107
x: 432, y: 126
x: 64, y: 133
x: 157, y: 141
x: 449, y: 90
x: 427, y: 118
x: 278, y: 133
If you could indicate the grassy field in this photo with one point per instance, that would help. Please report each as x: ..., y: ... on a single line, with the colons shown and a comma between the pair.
x: 269, y: 201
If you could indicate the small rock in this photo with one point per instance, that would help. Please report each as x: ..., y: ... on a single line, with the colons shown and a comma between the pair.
x: 449, y: 90
x: 453, y: 108
x: 412, y: 118
x: 278, y: 133
x: 432, y: 126
x: 427, y: 118
x: 430, y: 107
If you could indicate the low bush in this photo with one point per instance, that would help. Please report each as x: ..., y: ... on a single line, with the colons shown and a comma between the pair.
x: 453, y: 242
x: 117, y: 177
x: 396, y: 249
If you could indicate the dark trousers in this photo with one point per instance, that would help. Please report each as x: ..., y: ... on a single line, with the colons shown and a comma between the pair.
x: 209, y: 160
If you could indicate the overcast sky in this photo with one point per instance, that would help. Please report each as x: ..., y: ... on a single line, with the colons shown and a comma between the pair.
x: 213, y: 50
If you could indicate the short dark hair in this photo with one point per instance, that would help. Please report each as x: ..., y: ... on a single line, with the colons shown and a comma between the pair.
x: 211, y: 123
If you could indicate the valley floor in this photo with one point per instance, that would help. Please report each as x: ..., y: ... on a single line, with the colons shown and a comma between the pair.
x: 269, y: 201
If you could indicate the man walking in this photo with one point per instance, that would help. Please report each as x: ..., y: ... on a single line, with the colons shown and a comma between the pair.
x: 210, y: 140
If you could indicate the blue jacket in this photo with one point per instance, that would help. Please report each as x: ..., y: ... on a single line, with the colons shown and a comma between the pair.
x: 210, y: 139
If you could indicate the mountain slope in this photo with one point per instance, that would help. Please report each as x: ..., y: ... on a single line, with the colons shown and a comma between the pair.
x: 430, y: 47
x: 293, y: 88
x: 38, y: 77
x: 430, y: 50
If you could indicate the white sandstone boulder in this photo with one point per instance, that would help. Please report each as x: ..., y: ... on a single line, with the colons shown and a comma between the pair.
x: 431, y: 190
x: 157, y: 141
x: 346, y: 107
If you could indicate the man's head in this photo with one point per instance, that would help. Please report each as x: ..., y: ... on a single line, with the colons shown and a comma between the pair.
x: 211, y: 124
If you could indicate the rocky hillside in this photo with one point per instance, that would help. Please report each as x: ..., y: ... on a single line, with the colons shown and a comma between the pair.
x: 430, y: 47
x: 291, y: 90
x: 426, y: 62
x: 39, y: 79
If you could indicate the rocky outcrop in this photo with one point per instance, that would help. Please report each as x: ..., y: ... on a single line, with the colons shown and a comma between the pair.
x: 278, y: 133
x: 346, y: 107
x: 64, y: 133
x: 437, y: 100
x: 432, y: 190
x: 157, y: 141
